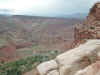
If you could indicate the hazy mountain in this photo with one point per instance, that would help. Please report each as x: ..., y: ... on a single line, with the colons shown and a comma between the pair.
x: 8, y: 12
x: 78, y: 15
x: 74, y: 15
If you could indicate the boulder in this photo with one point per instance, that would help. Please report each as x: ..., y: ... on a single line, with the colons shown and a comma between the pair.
x: 70, y: 62
x: 78, y: 58
x: 46, y: 67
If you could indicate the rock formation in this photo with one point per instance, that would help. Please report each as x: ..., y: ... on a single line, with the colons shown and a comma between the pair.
x: 90, y: 28
x: 84, y: 58
x: 72, y: 62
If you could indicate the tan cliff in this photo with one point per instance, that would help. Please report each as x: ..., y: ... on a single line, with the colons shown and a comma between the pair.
x: 89, y: 28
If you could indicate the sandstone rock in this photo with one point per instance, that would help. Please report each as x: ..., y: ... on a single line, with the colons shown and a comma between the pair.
x: 54, y: 72
x: 78, y: 53
x: 72, y: 61
x: 46, y: 67
x: 93, y: 69
x: 90, y: 28
x: 78, y: 58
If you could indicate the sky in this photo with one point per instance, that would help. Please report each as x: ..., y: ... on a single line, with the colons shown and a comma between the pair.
x: 45, y: 7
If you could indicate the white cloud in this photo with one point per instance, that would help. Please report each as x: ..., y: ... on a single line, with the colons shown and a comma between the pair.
x: 46, y: 7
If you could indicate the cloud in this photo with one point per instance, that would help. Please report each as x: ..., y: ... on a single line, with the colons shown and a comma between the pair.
x: 47, y: 7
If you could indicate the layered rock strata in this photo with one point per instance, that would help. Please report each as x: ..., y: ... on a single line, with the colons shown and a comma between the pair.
x: 89, y: 28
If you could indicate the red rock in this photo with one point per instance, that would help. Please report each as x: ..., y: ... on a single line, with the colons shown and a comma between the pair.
x: 90, y: 27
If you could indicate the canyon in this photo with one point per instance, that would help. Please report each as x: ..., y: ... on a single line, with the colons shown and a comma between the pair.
x: 84, y: 57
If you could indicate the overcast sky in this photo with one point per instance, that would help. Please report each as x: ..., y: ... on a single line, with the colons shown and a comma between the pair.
x: 47, y: 7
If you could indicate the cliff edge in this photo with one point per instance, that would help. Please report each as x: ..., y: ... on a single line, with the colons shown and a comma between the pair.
x: 84, y: 57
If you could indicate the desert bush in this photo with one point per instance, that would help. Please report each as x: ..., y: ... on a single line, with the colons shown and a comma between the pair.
x: 26, y: 64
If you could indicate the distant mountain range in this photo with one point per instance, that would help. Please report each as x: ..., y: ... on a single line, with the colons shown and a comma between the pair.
x: 6, y: 12
x: 74, y: 15
x: 78, y: 15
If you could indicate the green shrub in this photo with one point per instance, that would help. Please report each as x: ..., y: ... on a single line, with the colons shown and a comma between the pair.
x: 92, y: 27
x: 24, y: 65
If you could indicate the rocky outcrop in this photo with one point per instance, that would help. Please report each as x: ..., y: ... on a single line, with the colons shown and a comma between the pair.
x: 89, y: 28
x: 73, y: 61
x: 46, y: 67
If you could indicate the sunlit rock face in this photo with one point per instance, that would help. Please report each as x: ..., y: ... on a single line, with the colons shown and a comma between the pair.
x: 45, y: 67
x: 73, y: 61
x: 89, y: 28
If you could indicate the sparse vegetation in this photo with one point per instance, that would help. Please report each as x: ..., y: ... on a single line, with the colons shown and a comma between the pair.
x: 42, y: 32
x: 26, y: 64
x: 92, y: 27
